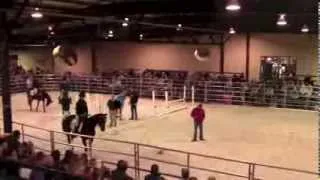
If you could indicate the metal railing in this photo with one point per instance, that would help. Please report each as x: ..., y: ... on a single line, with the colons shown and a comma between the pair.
x: 141, y: 155
x: 273, y: 94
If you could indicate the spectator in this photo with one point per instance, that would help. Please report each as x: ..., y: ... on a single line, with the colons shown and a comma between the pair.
x: 56, y: 159
x: 13, y: 140
x: 185, y: 174
x: 38, y: 161
x: 198, y: 116
x: 154, y: 173
x: 65, y: 164
x: 120, y: 172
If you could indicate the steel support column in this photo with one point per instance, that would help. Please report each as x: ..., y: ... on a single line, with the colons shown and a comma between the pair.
x: 221, y: 70
x: 248, y: 36
x: 5, y: 72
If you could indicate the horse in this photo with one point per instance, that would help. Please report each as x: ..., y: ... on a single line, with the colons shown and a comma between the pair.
x: 88, y: 127
x: 119, y: 102
x: 40, y: 96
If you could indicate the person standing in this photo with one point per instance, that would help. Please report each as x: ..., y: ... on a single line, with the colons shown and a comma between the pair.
x: 65, y: 102
x: 133, y: 104
x: 81, y: 111
x: 198, y: 116
x: 112, y: 111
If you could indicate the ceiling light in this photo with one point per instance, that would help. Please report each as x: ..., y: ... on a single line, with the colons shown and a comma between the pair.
x: 179, y: 27
x: 282, y: 20
x: 50, y: 28
x: 125, y: 23
x: 52, y: 33
x: 110, y: 33
x: 232, y: 31
x: 141, y: 36
x: 305, y: 29
x: 36, y: 14
x: 233, y: 5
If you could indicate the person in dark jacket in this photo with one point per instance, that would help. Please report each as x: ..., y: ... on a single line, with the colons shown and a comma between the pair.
x: 81, y: 111
x: 133, y: 104
x: 154, y: 173
x: 65, y: 102
x: 112, y: 111
x: 198, y: 116
x: 120, y: 172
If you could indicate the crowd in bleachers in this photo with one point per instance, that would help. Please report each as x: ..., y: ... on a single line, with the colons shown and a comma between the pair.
x: 15, y: 156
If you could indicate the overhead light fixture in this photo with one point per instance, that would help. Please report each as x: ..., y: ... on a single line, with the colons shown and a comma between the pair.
x: 125, y: 23
x: 232, y: 31
x: 36, y: 14
x: 233, y: 5
x: 52, y: 33
x: 305, y: 29
x: 50, y: 28
x: 282, y: 20
x: 179, y: 27
x: 141, y: 36
x: 110, y: 34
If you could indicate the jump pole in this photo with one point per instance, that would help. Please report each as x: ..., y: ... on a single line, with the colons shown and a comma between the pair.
x: 166, y: 96
x: 154, y: 98
x: 184, y: 93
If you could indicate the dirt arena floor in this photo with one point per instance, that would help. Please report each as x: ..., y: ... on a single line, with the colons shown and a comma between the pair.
x: 281, y: 137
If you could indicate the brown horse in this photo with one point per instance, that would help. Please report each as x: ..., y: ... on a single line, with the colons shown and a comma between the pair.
x: 40, y: 96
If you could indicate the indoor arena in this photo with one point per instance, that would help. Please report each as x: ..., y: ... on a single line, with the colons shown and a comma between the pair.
x: 130, y: 89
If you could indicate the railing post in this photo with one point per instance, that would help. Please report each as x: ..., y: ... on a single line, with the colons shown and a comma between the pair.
x: 251, y: 171
x: 136, y: 161
x: 52, y: 141
x: 22, y: 133
x: 188, y: 161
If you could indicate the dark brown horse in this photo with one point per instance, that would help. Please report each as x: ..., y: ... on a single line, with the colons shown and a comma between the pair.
x: 88, y: 127
x: 40, y: 96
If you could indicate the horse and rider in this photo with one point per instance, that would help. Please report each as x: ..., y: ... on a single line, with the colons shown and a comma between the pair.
x: 36, y: 92
x: 82, y: 123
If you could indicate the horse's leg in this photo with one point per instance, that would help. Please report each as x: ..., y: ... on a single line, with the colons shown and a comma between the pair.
x: 84, y: 142
x: 30, y: 103
x: 43, y: 105
x: 69, y: 139
x: 37, y: 108
x: 90, y: 146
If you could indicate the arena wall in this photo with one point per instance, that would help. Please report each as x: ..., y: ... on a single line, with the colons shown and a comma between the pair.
x: 154, y: 56
x: 31, y: 58
x: 120, y: 55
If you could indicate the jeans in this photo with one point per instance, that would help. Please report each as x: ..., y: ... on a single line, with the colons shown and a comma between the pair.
x: 134, y: 114
x: 113, y: 118
x: 196, y: 127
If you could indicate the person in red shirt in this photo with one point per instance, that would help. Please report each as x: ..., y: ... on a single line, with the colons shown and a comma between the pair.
x: 198, y: 116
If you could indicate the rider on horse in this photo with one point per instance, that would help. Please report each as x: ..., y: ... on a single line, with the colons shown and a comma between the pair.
x: 81, y: 111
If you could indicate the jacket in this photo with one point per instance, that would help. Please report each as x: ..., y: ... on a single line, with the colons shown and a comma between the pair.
x: 81, y: 107
x: 198, y: 115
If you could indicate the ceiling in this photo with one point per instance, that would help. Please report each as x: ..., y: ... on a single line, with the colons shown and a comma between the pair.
x: 83, y: 20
